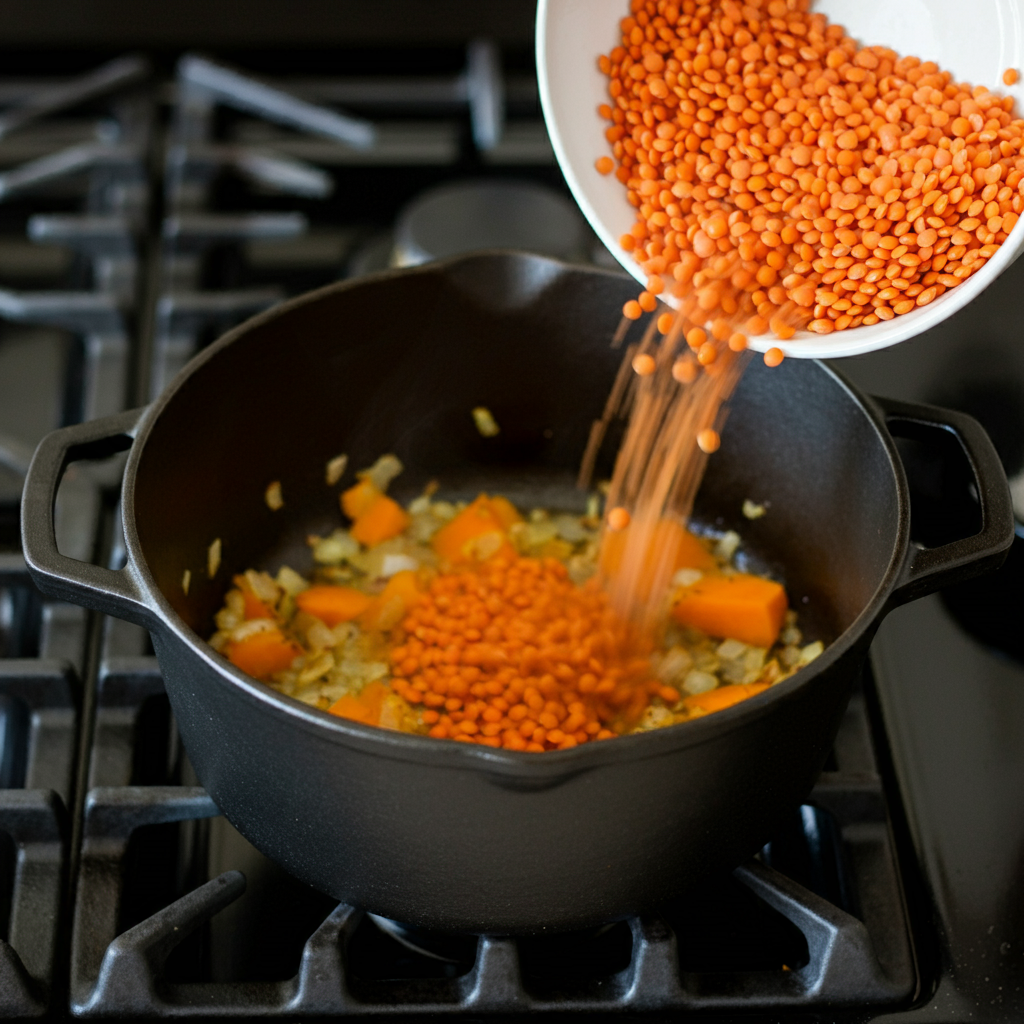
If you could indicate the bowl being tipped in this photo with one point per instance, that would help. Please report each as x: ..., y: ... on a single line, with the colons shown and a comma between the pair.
x: 571, y: 34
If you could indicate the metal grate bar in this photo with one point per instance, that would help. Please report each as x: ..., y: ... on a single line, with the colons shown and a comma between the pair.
x: 126, y: 976
x: 36, y: 823
x: 50, y: 692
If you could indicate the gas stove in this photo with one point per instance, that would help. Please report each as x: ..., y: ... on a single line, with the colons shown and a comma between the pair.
x: 149, y: 202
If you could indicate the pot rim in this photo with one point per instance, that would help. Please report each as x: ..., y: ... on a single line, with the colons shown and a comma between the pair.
x: 551, y: 766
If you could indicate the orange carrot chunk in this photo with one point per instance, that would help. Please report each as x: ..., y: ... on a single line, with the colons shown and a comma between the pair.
x: 669, y: 542
x: 263, y: 654
x: 380, y: 520
x: 504, y: 511
x: 388, y: 607
x: 741, y: 607
x: 333, y: 604
x: 365, y: 708
x: 358, y: 498
x: 350, y: 707
x: 475, y: 534
x: 254, y: 607
x: 723, y: 697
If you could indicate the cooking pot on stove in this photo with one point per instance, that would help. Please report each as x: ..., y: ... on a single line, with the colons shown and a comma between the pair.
x: 453, y: 836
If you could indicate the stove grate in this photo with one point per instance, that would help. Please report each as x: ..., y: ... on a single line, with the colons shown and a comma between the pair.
x: 861, y: 961
x: 843, y: 969
x: 38, y: 724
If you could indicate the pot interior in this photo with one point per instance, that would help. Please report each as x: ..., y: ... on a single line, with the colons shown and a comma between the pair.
x: 396, y: 364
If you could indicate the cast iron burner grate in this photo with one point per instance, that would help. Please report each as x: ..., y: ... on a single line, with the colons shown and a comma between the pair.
x: 817, y: 920
x: 38, y: 724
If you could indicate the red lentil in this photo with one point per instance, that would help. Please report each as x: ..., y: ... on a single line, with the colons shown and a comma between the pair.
x: 513, y: 654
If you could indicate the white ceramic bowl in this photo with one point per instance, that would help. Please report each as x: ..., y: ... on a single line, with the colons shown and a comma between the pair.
x: 975, y: 40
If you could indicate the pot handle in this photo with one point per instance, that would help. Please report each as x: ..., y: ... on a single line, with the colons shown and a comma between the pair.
x: 929, y: 569
x: 117, y: 592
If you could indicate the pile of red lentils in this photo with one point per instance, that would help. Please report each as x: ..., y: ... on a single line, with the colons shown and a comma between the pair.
x: 786, y: 178
x: 514, y: 655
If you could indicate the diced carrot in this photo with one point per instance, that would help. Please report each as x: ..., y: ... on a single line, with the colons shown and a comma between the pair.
x: 740, y: 607
x: 388, y: 607
x: 669, y: 541
x: 379, y: 521
x: 350, y: 707
x: 358, y: 498
x: 263, y: 654
x: 373, y: 697
x: 254, y: 607
x: 504, y: 511
x: 475, y: 534
x: 333, y: 604
x: 364, y: 708
x: 723, y: 697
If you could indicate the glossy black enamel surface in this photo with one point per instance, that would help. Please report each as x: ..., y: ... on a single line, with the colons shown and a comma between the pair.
x: 439, y: 834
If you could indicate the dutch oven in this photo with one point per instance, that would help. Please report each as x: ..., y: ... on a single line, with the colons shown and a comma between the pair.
x: 455, y: 836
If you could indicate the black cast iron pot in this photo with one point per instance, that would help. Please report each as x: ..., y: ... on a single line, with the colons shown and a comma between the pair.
x: 452, y: 836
